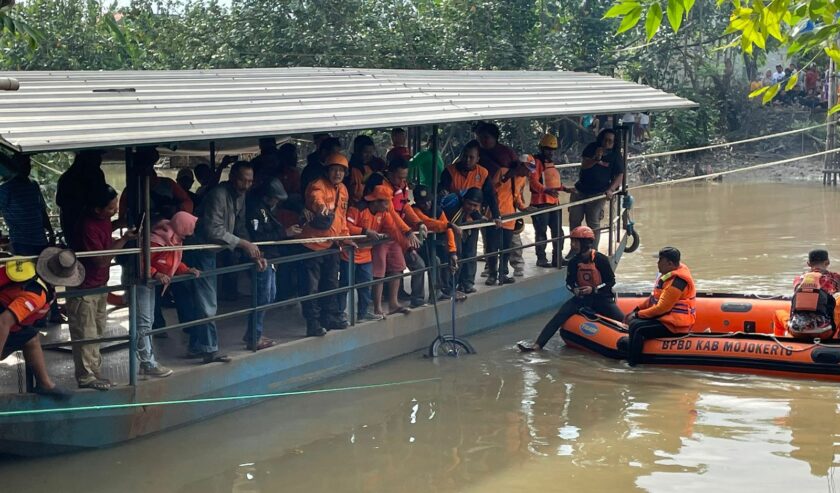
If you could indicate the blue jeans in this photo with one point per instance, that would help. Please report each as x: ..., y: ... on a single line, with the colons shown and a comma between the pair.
x: 266, y: 293
x: 364, y: 273
x: 196, y: 299
x: 145, y: 320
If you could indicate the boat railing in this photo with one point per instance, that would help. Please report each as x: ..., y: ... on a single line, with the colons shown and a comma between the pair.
x: 618, y: 216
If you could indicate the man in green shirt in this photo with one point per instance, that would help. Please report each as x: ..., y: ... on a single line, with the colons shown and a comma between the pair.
x: 420, y: 170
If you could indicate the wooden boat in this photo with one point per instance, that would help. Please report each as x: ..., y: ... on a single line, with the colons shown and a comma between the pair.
x: 733, y: 333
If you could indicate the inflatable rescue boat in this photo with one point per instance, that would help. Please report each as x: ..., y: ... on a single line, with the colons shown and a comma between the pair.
x: 745, y: 334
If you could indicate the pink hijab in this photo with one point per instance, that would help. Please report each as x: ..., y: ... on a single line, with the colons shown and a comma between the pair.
x: 171, y: 232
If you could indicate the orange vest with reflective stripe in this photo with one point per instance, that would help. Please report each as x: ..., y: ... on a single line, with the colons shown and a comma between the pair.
x: 684, y: 313
x: 474, y: 178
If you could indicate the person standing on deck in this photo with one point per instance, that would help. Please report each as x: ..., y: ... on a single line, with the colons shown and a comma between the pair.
x: 87, y: 314
x: 221, y: 221
x: 165, y: 195
x: 185, y: 179
x: 670, y: 310
x: 422, y: 168
x: 493, y: 156
x: 546, y: 186
x: 601, y: 173
x: 466, y: 173
x: 445, y: 250
x: 590, y: 278
x: 363, y: 165
x: 326, y: 213
x: 399, y: 147
x: 288, y: 172
x: 263, y: 226
x: 508, y: 181
x: 463, y: 209
x: 76, y: 187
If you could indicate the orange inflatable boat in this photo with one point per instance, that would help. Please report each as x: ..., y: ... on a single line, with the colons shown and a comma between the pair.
x: 735, y: 333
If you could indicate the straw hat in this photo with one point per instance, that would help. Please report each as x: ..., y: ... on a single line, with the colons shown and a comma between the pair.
x: 60, y: 267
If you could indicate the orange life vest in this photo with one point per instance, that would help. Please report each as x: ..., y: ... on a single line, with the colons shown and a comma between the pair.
x: 551, y: 177
x: 684, y: 313
x: 809, y: 297
x: 473, y: 178
x: 588, y: 274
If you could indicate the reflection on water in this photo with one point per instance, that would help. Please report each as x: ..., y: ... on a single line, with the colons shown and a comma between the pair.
x: 500, y: 421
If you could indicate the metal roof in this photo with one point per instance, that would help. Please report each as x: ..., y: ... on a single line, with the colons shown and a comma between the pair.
x: 77, y: 110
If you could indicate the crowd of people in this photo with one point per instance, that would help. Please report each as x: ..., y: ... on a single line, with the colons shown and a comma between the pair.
x: 382, y: 212
x: 335, y: 197
x: 810, y: 87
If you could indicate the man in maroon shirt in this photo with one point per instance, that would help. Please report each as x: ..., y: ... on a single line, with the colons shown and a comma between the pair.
x: 87, y: 315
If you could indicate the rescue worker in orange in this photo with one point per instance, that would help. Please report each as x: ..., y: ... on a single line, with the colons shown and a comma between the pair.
x: 813, y: 310
x: 462, y: 175
x: 545, y: 187
x: 363, y: 164
x: 669, y: 311
x: 326, y: 216
x: 508, y: 182
x: 590, y: 278
x: 23, y: 301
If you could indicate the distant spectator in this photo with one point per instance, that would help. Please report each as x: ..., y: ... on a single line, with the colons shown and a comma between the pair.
x: 24, y: 209
x: 288, y: 173
x: 778, y: 75
x: 399, y: 145
x: 768, y: 78
x: 165, y: 195
x: 363, y: 164
x: 812, y: 81
x: 76, y: 187
x: 326, y: 212
x: 315, y: 156
x: 185, y: 180
x: 315, y: 167
x: 87, y: 314
x: 208, y: 176
x: 263, y: 226
x: 221, y: 220
x: 267, y: 163
x: 421, y: 171
x: 644, y: 124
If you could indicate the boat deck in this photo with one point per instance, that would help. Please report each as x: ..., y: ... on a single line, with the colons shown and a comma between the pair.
x: 286, y: 325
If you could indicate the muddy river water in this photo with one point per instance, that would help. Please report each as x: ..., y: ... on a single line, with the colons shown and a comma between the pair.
x: 557, y: 421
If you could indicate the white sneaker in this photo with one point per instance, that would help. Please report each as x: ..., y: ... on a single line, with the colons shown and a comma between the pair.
x: 158, y: 371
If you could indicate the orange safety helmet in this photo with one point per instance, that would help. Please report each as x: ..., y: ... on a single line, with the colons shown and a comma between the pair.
x: 337, y: 159
x: 582, y: 233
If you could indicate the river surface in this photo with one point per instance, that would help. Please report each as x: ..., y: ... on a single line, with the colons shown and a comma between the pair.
x: 557, y: 421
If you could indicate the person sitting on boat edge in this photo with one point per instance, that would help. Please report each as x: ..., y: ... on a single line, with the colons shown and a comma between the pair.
x: 23, y: 300
x: 813, y: 309
x: 671, y: 308
x: 590, y: 278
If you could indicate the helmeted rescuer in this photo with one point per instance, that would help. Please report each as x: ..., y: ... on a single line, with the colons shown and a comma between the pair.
x: 671, y: 308
x: 590, y: 278
x: 546, y: 185
x: 813, y: 307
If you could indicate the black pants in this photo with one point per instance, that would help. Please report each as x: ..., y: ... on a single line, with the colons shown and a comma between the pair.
x: 552, y: 221
x: 498, y: 239
x: 601, y: 304
x: 640, y: 330
x: 317, y: 275
x: 287, y: 274
x: 469, y: 248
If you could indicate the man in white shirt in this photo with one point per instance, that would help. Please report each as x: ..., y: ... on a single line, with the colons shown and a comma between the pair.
x: 779, y: 74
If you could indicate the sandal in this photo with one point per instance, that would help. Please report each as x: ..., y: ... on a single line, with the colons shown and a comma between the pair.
x: 263, y: 343
x: 403, y: 310
x: 101, y: 385
x: 215, y: 357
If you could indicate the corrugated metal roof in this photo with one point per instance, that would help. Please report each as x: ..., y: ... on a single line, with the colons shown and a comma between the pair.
x: 77, y: 110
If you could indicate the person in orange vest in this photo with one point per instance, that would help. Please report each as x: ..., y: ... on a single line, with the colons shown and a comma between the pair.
x: 508, y: 182
x: 813, y: 309
x: 671, y: 308
x: 326, y: 216
x: 363, y: 164
x: 459, y: 177
x: 546, y: 185
x: 590, y: 278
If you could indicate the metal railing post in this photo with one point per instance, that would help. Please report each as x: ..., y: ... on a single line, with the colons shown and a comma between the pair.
x: 252, y: 320
x: 611, y: 247
x: 351, y: 282
x: 132, y: 334
x: 558, y: 250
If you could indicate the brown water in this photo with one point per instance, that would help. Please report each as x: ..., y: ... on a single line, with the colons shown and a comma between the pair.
x: 559, y: 421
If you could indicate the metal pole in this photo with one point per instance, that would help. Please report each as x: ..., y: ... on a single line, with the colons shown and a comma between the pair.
x: 435, y: 214
x: 132, y: 189
x: 213, y: 156
x: 252, y: 320
x: 831, y: 133
x: 435, y: 177
x: 146, y: 248
x: 351, y: 281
